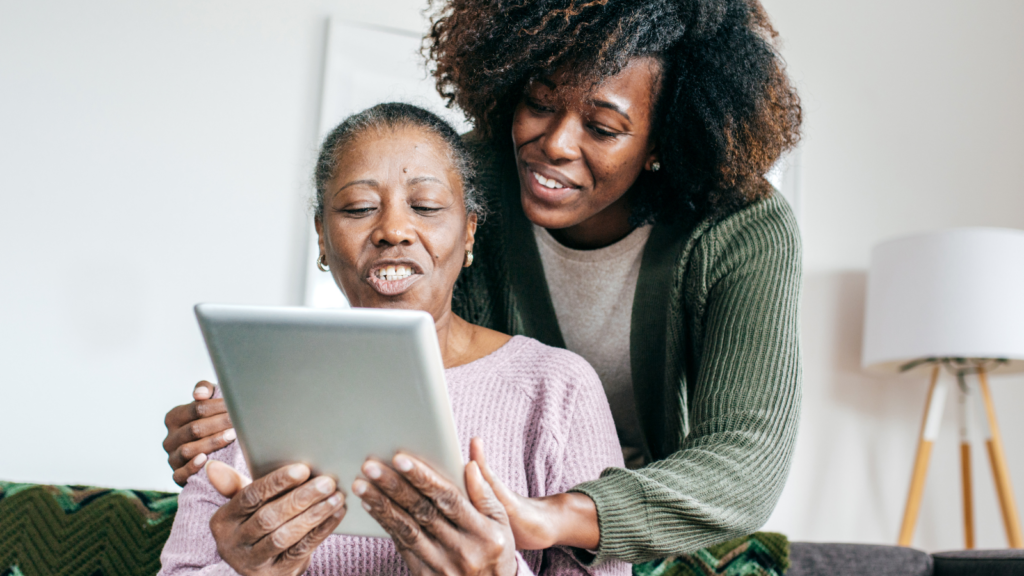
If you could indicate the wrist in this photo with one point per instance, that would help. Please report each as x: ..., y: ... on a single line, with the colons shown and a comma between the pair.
x: 575, y: 523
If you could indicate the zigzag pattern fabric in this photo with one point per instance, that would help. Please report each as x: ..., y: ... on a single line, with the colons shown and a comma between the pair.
x: 89, y: 531
x: 82, y: 530
x: 760, y: 554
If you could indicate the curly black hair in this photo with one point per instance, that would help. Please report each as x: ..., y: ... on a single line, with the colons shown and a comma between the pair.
x: 391, y: 115
x: 725, y: 112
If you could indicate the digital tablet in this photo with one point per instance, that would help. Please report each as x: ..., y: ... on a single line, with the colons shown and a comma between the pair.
x: 329, y: 388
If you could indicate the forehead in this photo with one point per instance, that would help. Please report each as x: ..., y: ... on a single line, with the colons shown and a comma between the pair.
x: 395, y: 151
x: 634, y: 86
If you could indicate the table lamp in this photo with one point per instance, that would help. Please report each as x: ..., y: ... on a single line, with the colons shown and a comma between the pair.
x: 950, y: 300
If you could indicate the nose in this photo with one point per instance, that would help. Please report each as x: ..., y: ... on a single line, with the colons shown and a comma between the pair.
x: 394, y: 227
x: 561, y: 140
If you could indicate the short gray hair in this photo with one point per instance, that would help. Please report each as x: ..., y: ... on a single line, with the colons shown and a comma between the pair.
x: 391, y: 115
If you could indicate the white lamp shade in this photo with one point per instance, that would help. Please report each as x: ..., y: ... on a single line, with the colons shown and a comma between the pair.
x: 951, y: 294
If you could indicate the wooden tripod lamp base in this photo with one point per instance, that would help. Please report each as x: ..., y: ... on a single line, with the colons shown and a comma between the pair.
x: 937, y: 393
x: 950, y: 298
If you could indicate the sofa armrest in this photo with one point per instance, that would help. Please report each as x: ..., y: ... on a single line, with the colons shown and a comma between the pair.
x: 815, y: 559
x: 979, y: 563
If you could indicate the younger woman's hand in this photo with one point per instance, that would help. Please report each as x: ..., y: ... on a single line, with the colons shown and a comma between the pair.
x: 272, y: 526
x: 436, y: 529
x: 568, y: 519
x: 196, y: 430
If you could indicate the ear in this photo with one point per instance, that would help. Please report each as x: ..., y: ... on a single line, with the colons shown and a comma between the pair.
x: 652, y: 157
x: 470, y: 231
x: 319, y: 225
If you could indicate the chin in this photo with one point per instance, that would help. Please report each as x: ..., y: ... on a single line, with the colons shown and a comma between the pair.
x: 546, y: 216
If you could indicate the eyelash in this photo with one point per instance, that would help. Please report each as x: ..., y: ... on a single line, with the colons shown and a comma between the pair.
x: 604, y: 133
x: 366, y: 211
x: 534, y: 105
x: 600, y: 132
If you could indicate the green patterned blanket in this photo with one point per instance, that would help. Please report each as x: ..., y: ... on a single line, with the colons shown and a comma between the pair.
x: 760, y: 554
x: 87, y: 531
x: 82, y: 531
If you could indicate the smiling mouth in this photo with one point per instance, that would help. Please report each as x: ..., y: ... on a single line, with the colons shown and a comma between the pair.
x: 391, y: 273
x: 393, y: 279
x: 548, y: 182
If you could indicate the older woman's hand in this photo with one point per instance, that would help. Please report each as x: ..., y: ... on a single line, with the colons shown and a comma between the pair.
x: 273, y: 525
x: 196, y: 430
x: 436, y: 529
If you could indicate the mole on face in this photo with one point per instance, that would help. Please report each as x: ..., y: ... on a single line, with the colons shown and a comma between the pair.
x: 404, y: 170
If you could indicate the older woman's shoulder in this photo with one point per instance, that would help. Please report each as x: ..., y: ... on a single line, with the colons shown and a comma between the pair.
x: 545, y: 371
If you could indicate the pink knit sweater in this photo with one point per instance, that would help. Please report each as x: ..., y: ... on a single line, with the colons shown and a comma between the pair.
x: 546, y: 425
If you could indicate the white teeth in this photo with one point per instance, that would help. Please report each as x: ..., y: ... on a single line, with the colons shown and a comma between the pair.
x: 390, y: 273
x: 547, y: 182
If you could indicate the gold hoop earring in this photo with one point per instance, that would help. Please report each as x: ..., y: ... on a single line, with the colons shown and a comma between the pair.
x: 321, y: 263
x: 469, y: 259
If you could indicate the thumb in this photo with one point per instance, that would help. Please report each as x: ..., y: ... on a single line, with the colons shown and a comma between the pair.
x: 204, y: 390
x: 225, y: 479
x: 482, y: 496
x: 508, y: 498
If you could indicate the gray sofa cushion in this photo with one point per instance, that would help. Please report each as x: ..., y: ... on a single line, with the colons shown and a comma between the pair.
x: 814, y: 559
x: 979, y: 563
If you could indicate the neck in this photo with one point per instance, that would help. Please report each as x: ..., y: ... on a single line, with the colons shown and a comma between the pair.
x: 454, y: 336
x: 602, y: 229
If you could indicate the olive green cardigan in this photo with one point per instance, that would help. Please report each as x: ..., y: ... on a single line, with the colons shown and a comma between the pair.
x: 715, y: 363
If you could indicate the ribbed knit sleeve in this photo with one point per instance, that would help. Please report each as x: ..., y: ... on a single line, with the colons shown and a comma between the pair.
x: 191, y: 549
x: 741, y: 390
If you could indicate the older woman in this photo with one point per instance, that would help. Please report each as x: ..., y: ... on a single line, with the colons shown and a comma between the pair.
x: 396, y: 222
x: 622, y: 145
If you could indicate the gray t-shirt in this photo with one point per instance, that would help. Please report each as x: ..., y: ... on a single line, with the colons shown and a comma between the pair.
x: 592, y: 292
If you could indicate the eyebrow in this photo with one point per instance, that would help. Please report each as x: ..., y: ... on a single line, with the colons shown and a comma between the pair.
x: 370, y: 183
x: 599, y: 103
x: 612, y: 107
x: 422, y: 179
x: 374, y: 184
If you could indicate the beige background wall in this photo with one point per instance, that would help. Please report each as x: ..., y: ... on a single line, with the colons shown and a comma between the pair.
x: 913, y: 123
x: 154, y: 155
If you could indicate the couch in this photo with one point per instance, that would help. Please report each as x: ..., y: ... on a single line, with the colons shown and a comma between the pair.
x: 88, y: 531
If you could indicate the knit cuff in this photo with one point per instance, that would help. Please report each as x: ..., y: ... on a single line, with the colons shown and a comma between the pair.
x: 620, y: 517
x: 219, y: 569
x: 522, y: 568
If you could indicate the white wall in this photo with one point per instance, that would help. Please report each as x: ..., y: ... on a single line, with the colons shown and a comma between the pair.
x: 913, y: 122
x: 153, y: 155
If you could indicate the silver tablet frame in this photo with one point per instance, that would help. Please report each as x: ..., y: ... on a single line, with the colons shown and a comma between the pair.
x: 330, y: 388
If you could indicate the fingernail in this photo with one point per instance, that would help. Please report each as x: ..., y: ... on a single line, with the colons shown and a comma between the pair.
x: 403, y: 463
x: 297, y: 472
x: 371, y: 470
x: 334, y: 500
x: 366, y: 506
x: 201, y: 392
x: 199, y: 460
x: 324, y: 485
x: 359, y: 487
x: 229, y: 435
x: 339, y: 513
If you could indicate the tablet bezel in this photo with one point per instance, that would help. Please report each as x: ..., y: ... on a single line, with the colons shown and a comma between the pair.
x: 327, y: 355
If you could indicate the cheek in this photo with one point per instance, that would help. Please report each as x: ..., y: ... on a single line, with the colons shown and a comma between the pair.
x: 445, y: 246
x: 346, y: 240
x: 614, y: 170
x: 525, y: 127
